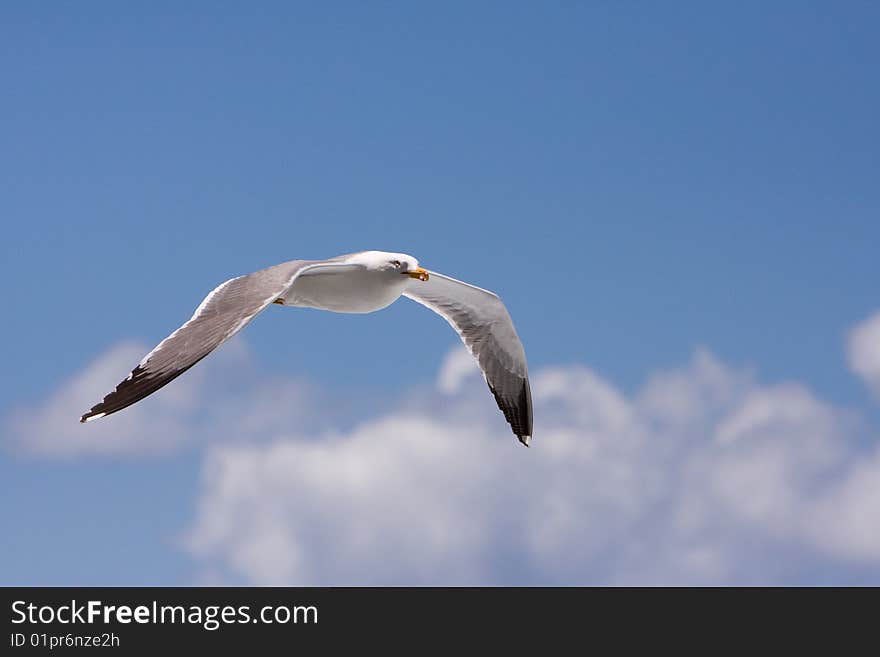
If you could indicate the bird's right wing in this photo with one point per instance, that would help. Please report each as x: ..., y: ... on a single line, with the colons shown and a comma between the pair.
x: 222, y: 314
x: 484, y: 325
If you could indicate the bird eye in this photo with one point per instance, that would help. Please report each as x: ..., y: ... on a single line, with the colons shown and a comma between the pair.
x: 396, y: 263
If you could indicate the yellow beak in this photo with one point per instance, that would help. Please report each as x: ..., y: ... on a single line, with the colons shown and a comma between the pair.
x: 421, y: 274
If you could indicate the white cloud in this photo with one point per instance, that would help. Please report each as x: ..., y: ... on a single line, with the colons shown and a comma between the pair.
x: 863, y: 351
x: 846, y: 520
x: 704, y: 476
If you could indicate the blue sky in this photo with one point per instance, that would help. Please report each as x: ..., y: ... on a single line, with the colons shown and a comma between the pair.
x: 637, y: 181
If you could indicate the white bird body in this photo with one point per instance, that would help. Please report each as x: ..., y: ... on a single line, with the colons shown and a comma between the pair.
x: 365, y: 287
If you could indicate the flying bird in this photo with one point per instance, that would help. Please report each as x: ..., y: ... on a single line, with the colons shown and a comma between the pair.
x: 360, y: 282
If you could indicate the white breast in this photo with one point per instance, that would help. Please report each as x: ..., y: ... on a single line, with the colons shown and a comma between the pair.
x: 361, y: 291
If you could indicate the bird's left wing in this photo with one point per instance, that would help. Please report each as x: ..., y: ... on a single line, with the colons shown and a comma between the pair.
x: 222, y: 314
x: 484, y: 325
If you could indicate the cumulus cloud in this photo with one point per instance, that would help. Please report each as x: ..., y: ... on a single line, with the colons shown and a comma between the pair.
x: 863, y: 351
x: 705, y: 476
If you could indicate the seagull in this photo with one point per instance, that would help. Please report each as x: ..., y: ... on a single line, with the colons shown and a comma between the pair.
x: 362, y: 282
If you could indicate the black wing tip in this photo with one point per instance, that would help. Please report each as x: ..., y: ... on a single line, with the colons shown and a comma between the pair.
x: 137, y: 385
x: 517, y: 411
x: 93, y: 414
x: 110, y: 402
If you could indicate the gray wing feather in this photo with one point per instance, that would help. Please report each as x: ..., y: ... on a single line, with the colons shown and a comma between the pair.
x: 222, y: 314
x: 484, y: 325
